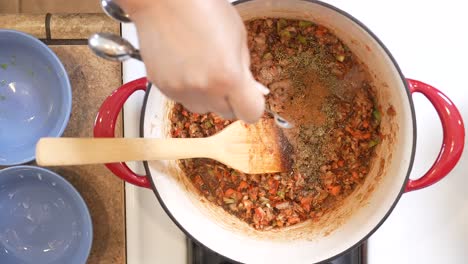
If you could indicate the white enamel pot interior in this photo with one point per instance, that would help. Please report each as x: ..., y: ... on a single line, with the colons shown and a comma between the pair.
x: 362, y: 212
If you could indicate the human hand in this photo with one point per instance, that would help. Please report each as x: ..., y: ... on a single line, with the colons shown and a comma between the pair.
x: 196, y: 53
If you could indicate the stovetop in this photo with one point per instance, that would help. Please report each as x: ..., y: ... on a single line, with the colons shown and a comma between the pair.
x: 427, y: 226
x: 198, y: 254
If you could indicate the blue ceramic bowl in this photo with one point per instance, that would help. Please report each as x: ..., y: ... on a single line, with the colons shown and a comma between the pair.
x: 43, y: 219
x: 35, y: 96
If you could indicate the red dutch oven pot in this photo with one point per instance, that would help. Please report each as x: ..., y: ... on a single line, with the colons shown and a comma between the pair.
x: 361, y: 213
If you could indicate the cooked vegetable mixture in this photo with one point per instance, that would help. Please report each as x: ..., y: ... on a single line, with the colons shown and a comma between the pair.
x: 318, y: 84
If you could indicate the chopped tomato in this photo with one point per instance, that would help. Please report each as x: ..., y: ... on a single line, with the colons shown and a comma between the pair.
x: 198, y: 180
x: 320, y: 31
x: 305, y: 203
x: 365, y: 124
x: 358, y: 134
x: 273, y: 184
x: 334, y: 190
x: 176, y: 132
x: 293, y: 220
x: 279, y: 223
x: 365, y: 136
x: 217, y: 120
x: 259, y: 213
x: 340, y: 163
x: 253, y: 193
x: 242, y: 185
x: 229, y: 192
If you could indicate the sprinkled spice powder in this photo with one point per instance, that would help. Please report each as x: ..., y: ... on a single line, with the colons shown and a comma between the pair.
x: 316, y: 83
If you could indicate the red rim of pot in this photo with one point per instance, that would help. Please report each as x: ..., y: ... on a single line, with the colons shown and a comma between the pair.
x: 450, y: 153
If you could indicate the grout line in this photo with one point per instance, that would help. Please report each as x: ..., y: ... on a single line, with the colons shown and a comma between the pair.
x: 47, y: 25
x: 65, y: 41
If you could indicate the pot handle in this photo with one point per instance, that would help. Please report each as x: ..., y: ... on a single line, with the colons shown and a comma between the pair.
x: 104, y: 126
x: 453, y: 135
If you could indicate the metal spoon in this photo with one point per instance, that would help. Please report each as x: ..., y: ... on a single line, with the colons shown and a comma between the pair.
x: 281, y: 122
x: 113, y: 47
x: 114, y: 11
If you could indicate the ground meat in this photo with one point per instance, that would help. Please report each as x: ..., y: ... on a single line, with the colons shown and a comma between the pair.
x: 316, y: 83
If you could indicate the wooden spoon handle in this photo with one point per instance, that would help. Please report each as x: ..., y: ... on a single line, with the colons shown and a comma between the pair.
x: 80, y: 151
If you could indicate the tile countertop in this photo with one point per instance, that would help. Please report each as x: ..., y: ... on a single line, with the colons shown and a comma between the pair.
x: 92, y: 80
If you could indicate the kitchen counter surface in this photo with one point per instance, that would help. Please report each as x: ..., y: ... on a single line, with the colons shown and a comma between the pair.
x: 92, y: 80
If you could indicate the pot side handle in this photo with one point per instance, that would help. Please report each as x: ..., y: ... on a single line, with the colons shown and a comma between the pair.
x: 104, y: 126
x: 453, y: 135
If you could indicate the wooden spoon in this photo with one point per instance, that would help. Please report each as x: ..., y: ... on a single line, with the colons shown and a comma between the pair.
x: 259, y: 148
